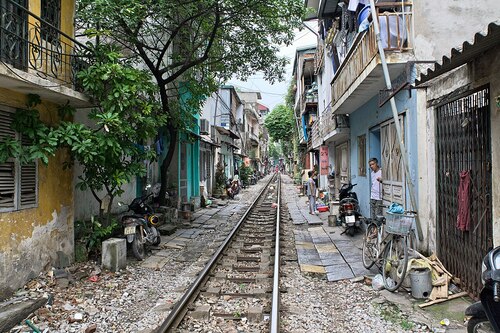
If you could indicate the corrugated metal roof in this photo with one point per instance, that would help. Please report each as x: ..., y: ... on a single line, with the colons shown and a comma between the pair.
x: 483, y: 41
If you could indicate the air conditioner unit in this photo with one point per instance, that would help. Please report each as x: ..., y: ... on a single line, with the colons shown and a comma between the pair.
x: 204, y: 126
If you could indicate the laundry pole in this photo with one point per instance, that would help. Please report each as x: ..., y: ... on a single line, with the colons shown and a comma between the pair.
x: 404, y: 152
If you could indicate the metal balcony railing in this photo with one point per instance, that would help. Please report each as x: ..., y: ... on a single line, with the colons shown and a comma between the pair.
x: 310, y: 94
x: 330, y: 122
x: 395, y: 20
x: 33, y: 45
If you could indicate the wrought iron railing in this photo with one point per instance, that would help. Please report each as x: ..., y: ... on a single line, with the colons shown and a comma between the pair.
x: 33, y: 45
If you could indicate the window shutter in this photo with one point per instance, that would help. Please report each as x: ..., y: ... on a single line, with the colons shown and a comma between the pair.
x: 28, y: 182
x: 5, y: 122
x: 7, y: 185
x: 28, y: 195
x: 7, y: 170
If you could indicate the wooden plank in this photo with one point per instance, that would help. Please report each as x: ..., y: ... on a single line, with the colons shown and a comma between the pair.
x: 461, y: 294
x: 12, y: 314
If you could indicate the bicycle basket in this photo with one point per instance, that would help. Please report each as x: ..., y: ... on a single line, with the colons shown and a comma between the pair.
x: 400, y: 224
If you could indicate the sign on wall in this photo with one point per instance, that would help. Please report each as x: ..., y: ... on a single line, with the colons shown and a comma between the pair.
x: 323, y: 160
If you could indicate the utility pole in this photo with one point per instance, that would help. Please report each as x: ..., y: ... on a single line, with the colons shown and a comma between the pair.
x: 402, y: 147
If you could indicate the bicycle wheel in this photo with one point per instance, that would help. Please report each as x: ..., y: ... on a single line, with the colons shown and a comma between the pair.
x: 370, y: 248
x: 395, y: 262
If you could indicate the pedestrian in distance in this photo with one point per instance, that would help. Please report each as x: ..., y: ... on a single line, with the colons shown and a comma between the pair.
x: 376, y: 188
x: 311, y: 193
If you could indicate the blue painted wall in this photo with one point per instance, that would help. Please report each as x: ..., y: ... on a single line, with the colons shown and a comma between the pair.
x: 365, y: 120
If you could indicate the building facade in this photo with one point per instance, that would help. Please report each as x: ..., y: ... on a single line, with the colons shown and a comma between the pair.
x: 359, y: 102
x: 37, y: 56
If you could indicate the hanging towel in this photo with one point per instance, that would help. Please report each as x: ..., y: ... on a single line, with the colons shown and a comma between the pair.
x: 463, y: 216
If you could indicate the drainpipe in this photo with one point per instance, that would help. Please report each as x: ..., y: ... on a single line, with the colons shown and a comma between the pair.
x: 402, y: 147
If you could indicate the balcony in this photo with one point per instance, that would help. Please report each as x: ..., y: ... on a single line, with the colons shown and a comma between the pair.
x: 334, y: 127
x: 360, y: 75
x: 319, y: 60
x: 316, y: 134
x: 254, y: 139
x: 310, y: 95
x: 38, y: 58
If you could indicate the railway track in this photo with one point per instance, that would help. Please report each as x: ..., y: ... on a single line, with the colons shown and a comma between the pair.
x: 239, y: 286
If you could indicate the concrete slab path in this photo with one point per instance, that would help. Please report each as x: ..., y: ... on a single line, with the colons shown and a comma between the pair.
x: 320, y: 248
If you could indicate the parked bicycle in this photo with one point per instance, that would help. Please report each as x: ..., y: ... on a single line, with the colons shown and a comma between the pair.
x: 388, y: 243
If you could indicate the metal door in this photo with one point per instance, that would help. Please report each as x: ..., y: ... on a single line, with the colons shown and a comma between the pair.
x: 393, y: 186
x: 463, y: 143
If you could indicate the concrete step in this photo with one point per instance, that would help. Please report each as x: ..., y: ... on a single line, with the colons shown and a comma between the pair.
x: 167, y: 229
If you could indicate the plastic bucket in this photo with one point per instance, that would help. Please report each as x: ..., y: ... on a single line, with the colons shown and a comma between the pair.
x: 421, y: 283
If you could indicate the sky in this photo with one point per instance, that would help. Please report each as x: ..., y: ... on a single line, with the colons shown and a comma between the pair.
x: 273, y: 95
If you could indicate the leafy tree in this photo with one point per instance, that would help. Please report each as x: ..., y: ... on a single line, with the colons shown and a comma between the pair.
x: 281, y: 127
x: 275, y: 151
x: 279, y: 123
x: 113, y: 149
x: 200, y: 43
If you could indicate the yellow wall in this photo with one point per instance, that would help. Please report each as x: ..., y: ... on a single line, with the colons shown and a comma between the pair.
x: 31, y: 238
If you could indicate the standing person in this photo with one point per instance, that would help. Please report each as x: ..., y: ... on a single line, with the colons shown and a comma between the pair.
x: 376, y: 189
x: 311, y: 193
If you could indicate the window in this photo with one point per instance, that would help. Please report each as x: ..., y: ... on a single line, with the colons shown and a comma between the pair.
x: 362, y: 155
x: 50, y: 13
x: 18, y: 183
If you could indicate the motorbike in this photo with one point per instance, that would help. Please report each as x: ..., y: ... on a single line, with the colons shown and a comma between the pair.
x: 484, y: 315
x: 349, y: 215
x: 140, y: 228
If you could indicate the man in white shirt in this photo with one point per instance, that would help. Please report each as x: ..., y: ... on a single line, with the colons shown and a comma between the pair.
x: 376, y: 189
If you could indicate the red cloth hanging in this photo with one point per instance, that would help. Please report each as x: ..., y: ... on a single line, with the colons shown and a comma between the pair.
x: 463, y: 216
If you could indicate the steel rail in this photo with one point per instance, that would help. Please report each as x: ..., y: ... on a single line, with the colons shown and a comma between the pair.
x: 173, y: 317
x: 275, y: 313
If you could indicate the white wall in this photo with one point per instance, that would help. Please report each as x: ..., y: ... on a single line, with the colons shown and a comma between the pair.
x: 85, y: 203
x: 440, y: 25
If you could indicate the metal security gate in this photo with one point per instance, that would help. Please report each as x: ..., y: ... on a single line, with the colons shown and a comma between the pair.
x: 463, y: 143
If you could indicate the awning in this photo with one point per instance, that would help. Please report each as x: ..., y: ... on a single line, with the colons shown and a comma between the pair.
x: 230, y: 144
x: 226, y: 131
x: 483, y: 41
x: 206, y: 139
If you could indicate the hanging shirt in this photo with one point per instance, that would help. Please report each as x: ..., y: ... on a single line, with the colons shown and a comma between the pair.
x: 376, y: 192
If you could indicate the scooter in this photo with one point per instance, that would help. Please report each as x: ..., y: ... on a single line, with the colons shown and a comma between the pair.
x: 140, y: 228
x: 349, y: 214
x: 484, y: 316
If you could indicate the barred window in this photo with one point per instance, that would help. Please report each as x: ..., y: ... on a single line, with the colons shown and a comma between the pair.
x: 50, y: 13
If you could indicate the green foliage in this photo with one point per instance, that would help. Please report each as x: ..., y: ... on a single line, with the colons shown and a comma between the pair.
x: 194, y: 45
x: 245, y: 173
x: 220, y: 177
x: 92, y: 233
x: 275, y: 151
x: 113, y: 149
x: 280, y: 123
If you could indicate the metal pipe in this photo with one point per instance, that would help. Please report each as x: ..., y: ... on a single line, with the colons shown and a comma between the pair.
x: 402, y: 147
x: 275, y: 313
x: 185, y: 299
